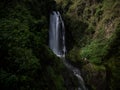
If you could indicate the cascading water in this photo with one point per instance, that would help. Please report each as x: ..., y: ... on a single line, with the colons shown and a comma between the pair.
x: 57, y: 44
x: 57, y: 34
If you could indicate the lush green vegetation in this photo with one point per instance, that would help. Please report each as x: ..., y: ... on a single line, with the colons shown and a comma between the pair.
x: 92, y: 28
x: 26, y: 63
x: 92, y: 40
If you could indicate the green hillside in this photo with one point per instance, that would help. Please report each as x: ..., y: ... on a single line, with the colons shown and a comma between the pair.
x: 93, y: 38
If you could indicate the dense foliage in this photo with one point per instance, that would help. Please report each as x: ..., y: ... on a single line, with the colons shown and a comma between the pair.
x: 92, y: 36
x: 92, y: 40
x: 26, y: 62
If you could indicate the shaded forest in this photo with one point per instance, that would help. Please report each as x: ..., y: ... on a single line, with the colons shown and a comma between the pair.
x: 26, y: 62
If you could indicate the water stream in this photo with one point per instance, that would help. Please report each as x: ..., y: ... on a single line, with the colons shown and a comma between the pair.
x: 57, y: 44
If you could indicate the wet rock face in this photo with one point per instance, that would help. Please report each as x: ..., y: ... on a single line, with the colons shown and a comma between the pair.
x: 95, y: 77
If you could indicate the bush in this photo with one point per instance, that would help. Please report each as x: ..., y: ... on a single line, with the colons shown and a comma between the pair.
x: 95, y: 51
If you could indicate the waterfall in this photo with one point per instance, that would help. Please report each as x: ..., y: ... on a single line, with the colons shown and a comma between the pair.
x: 57, y: 44
x: 57, y: 34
